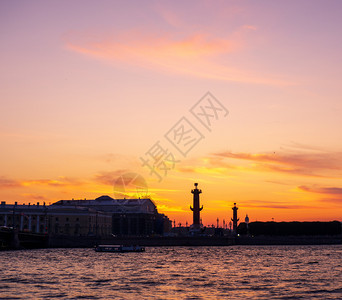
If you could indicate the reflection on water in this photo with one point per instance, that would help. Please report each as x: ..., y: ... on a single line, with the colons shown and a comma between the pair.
x: 238, y: 272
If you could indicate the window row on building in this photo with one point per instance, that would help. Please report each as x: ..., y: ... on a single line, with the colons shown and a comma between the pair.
x: 100, y: 217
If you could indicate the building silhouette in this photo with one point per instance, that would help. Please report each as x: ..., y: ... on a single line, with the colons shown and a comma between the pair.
x: 102, y: 216
x: 55, y: 220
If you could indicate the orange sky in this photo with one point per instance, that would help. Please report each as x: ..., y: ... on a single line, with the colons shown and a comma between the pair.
x: 86, y: 90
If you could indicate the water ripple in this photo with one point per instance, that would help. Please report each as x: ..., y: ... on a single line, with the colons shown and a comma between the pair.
x: 250, y: 272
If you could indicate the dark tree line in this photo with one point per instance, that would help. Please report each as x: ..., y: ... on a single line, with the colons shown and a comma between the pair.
x: 290, y: 228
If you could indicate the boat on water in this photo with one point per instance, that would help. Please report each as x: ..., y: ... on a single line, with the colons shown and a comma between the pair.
x: 118, y: 248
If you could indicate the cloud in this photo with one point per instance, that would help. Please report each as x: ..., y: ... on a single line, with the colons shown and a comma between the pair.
x: 108, y: 178
x: 163, y: 190
x: 206, y: 165
x: 254, y: 203
x: 61, y: 181
x: 111, y: 157
x: 331, y: 194
x: 125, y: 183
x: 35, y: 197
x: 322, y: 190
x: 169, y: 16
x: 149, y: 50
x: 194, y: 54
x: 271, y: 205
x: 249, y: 27
x: 202, y: 170
x: 164, y: 208
x: 279, y: 182
x: 305, y: 163
x: 9, y: 183
x: 278, y: 206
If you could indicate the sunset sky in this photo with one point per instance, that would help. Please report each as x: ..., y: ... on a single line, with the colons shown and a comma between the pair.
x: 88, y: 88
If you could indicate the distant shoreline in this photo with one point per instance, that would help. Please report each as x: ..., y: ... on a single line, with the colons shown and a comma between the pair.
x: 31, y: 241
x: 199, y: 241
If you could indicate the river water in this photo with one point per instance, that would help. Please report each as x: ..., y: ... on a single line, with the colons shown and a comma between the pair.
x: 237, y: 272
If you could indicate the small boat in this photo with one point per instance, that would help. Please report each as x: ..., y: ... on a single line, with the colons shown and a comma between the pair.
x: 118, y: 248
